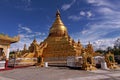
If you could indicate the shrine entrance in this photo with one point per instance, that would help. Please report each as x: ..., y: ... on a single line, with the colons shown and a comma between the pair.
x: 5, y: 42
x: 2, y: 54
x: 1, y: 50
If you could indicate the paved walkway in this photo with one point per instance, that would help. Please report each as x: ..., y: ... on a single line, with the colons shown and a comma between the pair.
x: 98, y: 77
x: 58, y: 73
x: 3, y: 78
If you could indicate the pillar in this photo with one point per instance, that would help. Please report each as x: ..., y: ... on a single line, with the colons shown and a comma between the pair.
x: 7, y: 56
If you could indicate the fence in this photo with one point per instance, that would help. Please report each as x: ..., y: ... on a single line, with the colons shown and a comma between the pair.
x: 2, y: 64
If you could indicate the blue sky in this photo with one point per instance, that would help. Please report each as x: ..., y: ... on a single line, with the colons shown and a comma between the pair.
x: 97, y: 21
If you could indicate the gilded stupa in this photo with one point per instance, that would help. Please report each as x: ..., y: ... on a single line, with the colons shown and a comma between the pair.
x: 57, y: 46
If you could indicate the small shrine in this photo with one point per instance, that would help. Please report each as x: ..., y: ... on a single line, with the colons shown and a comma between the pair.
x: 109, y: 58
x: 88, y: 58
x: 5, y: 42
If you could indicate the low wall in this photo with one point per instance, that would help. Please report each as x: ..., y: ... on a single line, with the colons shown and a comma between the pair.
x: 2, y: 64
x: 22, y: 61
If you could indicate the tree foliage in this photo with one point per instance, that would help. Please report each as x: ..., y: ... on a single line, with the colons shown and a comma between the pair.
x: 115, y: 49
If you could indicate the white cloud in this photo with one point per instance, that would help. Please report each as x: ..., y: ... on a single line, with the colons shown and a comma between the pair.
x: 84, y: 32
x: 105, y: 10
x: 95, y: 36
x: 21, y: 28
x: 24, y: 5
x: 82, y: 13
x: 75, y: 18
x: 26, y: 37
x: 99, y: 2
x: 67, y: 6
x: 89, y: 14
x: 103, y: 44
x: 104, y: 29
x: 91, y: 1
x: 98, y: 31
x: 19, y: 45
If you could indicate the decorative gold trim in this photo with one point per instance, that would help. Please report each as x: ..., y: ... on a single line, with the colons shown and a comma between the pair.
x: 9, y: 39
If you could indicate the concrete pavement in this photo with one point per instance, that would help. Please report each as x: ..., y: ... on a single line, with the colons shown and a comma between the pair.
x: 58, y: 73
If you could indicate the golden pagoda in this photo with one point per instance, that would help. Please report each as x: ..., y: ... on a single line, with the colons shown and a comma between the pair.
x: 59, y: 44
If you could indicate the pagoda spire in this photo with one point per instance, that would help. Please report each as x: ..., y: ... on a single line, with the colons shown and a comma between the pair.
x: 89, y: 42
x: 25, y: 48
x: 78, y: 41
x: 34, y: 41
x: 58, y: 28
x: 57, y: 13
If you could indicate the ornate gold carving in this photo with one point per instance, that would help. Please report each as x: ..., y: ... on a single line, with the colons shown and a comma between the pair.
x: 40, y: 61
x: 88, y: 61
x: 6, y: 38
x: 109, y: 58
x: 89, y: 49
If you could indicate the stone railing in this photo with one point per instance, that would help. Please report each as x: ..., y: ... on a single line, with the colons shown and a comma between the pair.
x: 26, y: 59
x: 22, y: 61
x: 2, y: 64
